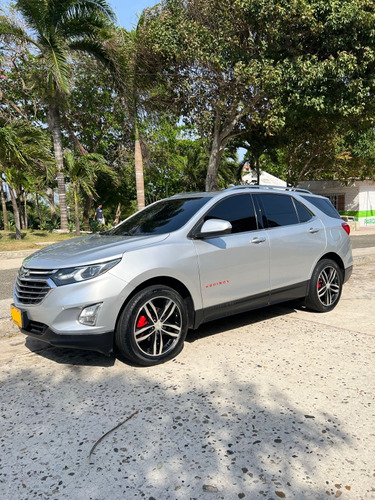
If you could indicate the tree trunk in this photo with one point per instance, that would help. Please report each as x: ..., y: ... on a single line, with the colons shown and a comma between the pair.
x: 25, y: 210
x: 257, y: 170
x: 118, y: 213
x: 221, y: 135
x: 214, y: 161
x: 76, y: 211
x: 38, y: 210
x: 139, y: 181
x: 4, y: 206
x: 20, y: 204
x: 86, y: 211
x: 55, y: 127
x: 51, y: 199
x: 16, y: 213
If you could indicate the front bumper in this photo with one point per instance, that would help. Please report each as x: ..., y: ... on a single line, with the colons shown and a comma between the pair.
x: 61, y: 308
x: 55, y: 319
x: 99, y: 342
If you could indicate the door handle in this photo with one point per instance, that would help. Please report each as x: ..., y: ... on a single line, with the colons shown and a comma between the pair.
x: 258, y: 240
x: 313, y: 230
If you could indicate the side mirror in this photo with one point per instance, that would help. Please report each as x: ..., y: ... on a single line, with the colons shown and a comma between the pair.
x: 213, y: 228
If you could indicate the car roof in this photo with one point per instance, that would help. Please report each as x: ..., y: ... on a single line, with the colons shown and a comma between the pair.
x: 194, y: 194
x: 253, y: 187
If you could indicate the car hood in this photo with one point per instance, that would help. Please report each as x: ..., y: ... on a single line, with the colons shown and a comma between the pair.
x: 88, y: 250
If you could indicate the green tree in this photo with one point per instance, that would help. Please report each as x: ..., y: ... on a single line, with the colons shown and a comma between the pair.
x: 54, y: 28
x: 127, y: 66
x: 313, y: 153
x: 262, y: 61
x: 83, y: 172
x: 361, y: 145
x: 100, y: 126
x: 24, y: 151
x: 176, y: 161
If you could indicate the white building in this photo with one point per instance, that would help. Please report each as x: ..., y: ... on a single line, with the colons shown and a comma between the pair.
x: 265, y: 179
x: 356, y: 198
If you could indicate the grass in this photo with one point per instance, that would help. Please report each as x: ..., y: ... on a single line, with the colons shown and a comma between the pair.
x: 30, y: 240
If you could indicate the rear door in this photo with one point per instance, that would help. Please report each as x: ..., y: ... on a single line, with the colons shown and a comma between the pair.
x: 234, y: 266
x: 296, y: 236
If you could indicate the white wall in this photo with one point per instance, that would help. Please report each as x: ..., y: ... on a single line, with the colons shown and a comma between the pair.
x: 325, y: 188
x: 359, y: 196
x: 367, y: 204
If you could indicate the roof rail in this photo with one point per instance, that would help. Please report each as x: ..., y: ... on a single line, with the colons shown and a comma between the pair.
x: 278, y: 188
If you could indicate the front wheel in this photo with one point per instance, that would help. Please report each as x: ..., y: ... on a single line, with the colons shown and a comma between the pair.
x: 153, y: 326
x: 325, y: 286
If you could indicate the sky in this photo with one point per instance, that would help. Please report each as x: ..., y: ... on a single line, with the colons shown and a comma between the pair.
x: 128, y: 11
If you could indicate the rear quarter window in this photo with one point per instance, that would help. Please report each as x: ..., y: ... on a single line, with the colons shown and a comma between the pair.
x: 324, y: 205
x: 304, y: 215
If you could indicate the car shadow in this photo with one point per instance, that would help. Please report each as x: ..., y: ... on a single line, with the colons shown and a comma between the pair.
x: 243, y: 319
x: 79, y: 357
x: 66, y: 356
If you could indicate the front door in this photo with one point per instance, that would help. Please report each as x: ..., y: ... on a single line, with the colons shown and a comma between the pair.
x: 234, y: 267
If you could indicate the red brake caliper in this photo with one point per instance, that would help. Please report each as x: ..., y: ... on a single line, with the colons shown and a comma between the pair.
x: 142, y: 322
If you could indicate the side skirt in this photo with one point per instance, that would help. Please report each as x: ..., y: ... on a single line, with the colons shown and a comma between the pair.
x: 284, y: 294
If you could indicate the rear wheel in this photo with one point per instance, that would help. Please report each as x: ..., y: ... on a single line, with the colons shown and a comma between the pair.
x: 325, y: 286
x: 153, y: 326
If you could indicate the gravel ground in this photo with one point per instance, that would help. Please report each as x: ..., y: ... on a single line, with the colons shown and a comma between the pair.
x: 277, y: 403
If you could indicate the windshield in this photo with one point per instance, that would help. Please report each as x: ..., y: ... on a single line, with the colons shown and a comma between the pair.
x: 162, y: 217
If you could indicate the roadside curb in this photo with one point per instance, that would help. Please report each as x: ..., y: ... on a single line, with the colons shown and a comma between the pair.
x: 16, y: 254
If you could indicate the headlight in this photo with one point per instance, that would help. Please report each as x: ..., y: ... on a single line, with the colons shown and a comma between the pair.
x: 83, y: 273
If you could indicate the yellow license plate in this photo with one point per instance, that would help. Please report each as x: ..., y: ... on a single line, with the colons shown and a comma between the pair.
x: 16, y: 315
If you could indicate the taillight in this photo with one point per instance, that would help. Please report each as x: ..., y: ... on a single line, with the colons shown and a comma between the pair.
x: 346, y: 227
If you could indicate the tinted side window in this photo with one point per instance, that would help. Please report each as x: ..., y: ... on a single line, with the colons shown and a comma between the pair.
x: 304, y: 214
x: 238, y: 210
x: 324, y: 205
x: 279, y: 209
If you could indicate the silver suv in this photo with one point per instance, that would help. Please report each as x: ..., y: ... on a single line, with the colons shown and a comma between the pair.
x: 180, y: 262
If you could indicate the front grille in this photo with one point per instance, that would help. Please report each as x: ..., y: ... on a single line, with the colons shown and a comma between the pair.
x: 31, y: 285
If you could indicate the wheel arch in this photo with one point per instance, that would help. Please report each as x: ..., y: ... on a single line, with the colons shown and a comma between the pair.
x: 332, y: 256
x: 336, y: 258
x: 316, y: 301
x: 173, y: 283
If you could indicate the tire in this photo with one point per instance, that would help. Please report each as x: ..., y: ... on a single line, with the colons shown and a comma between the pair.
x: 325, y: 286
x: 153, y: 326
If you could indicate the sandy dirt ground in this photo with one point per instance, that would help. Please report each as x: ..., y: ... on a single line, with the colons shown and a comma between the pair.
x: 276, y: 403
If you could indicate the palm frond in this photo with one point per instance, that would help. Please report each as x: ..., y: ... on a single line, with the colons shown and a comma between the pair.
x: 35, y: 13
x: 98, y: 9
x: 55, y: 56
x: 93, y: 46
x: 25, y: 147
x: 11, y: 151
x: 83, y: 171
x: 10, y: 31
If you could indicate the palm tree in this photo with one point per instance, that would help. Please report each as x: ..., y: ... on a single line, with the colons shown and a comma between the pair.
x: 83, y: 173
x: 133, y: 83
x: 54, y: 28
x: 23, y: 149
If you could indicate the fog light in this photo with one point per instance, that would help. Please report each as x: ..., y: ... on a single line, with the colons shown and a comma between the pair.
x: 89, y: 315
